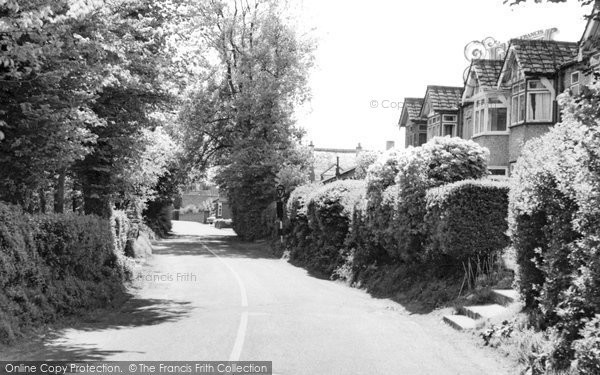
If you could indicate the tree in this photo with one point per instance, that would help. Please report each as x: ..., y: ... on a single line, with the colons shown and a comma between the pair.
x: 241, y: 118
x: 82, y: 82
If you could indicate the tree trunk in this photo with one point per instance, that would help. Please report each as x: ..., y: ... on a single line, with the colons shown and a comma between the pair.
x: 59, y: 193
x: 43, y: 202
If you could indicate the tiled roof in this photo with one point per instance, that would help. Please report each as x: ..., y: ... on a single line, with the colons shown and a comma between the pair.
x: 543, y: 56
x: 487, y: 71
x: 444, y: 97
x: 413, y: 107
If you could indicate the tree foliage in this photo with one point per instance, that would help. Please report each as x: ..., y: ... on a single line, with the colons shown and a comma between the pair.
x: 241, y: 117
x: 82, y: 83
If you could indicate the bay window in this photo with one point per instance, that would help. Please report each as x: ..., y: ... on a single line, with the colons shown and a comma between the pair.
x: 517, y: 113
x: 540, y: 102
x: 490, y: 115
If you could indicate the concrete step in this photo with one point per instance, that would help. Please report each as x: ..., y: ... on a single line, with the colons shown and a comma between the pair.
x: 483, y: 311
x: 460, y: 322
x: 505, y: 296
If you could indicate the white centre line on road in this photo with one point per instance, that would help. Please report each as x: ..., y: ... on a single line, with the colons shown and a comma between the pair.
x: 241, y: 333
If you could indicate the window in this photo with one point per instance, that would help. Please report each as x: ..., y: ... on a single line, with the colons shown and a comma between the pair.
x: 539, y: 106
x: 497, y: 119
x: 517, y: 113
x: 219, y: 209
x: 574, y: 87
x: 497, y: 171
x: 448, y: 130
x: 449, y: 118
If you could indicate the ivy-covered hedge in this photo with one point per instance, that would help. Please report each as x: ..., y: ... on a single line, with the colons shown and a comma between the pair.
x: 320, y: 237
x: 467, y: 219
x: 53, y: 265
x: 554, y: 224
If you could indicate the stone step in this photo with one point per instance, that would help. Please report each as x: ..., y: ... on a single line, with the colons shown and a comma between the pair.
x: 505, y: 296
x: 460, y: 322
x: 483, y: 311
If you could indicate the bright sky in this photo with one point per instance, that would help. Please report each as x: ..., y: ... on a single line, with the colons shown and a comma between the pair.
x: 385, y: 50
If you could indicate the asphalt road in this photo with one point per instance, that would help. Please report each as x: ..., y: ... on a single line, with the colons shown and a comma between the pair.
x: 205, y: 296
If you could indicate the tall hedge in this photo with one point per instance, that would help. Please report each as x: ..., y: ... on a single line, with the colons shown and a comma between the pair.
x: 554, y: 223
x: 319, y: 239
x: 467, y: 219
x: 52, y: 265
x: 379, y: 211
x: 440, y: 161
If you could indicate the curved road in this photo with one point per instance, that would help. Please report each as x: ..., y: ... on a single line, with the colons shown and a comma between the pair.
x: 205, y: 296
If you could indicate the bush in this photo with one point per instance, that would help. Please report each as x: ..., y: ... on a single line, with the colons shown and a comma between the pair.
x: 467, y: 219
x: 52, y: 265
x: 554, y: 223
x: 158, y: 217
x: 440, y: 161
x: 373, y: 227
x: 321, y: 234
x: 587, y: 348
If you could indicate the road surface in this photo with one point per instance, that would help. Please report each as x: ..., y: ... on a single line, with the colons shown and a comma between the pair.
x: 205, y: 296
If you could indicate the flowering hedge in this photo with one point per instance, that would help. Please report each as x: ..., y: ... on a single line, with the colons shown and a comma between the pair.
x: 441, y: 160
x: 554, y: 223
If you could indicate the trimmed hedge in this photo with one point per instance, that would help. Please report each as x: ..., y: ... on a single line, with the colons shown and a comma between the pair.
x: 467, y: 219
x: 440, y: 161
x: 53, y: 265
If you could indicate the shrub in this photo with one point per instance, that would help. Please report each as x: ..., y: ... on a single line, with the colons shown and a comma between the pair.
x: 363, y: 161
x: 158, y: 217
x: 441, y: 160
x: 374, y: 225
x: 53, y: 265
x: 554, y: 223
x: 587, y: 348
x: 467, y: 219
x: 328, y: 212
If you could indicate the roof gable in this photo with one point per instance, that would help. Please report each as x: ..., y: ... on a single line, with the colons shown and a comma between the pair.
x: 411, y: 110
x: 591, y: 34
x: 542, y: 56
x: 441, y: 98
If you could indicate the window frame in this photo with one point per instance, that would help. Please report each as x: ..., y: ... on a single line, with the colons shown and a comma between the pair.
x: 537, y: 91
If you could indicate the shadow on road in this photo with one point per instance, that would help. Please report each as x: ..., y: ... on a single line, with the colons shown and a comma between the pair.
x: 223, y: 246
x: 135, y: 312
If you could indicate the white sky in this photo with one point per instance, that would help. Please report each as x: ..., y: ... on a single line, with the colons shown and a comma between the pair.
x: 388, y: 50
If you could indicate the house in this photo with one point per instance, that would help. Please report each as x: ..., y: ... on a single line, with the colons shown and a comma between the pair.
x: 440, y: 109
x: 484, y: 112
x: 530, y: 82
x: 507, y: 102
x: 330, y: 162
x: 580, y: 71
x: 221, y: 208
x: 411, y: 120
